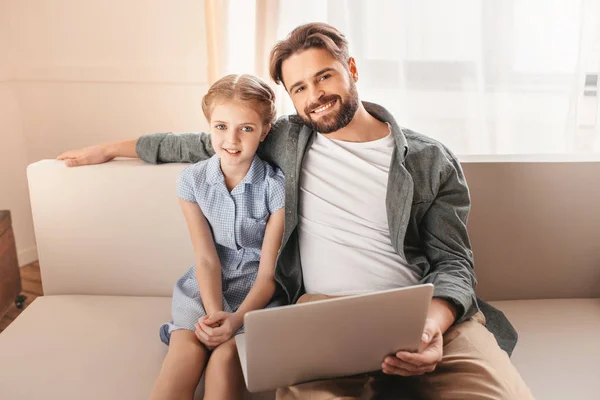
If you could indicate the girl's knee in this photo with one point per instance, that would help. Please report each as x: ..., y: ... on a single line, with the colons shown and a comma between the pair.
x: 185, y: 348
x: 225, y: 353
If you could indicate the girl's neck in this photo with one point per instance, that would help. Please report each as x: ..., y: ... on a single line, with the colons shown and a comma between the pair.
x: 234, y: 174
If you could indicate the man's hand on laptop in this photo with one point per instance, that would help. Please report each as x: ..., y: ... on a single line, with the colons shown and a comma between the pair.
x: 425, y: 360
x: 440, y: 317
x: 217, y: 328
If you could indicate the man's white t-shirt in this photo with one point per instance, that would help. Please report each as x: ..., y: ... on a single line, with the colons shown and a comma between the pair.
x: 345, y: 244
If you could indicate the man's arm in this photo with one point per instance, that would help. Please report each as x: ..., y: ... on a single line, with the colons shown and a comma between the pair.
x: 98, y: 154
x: 186, y: 147
x: 154, y: 149
x: 168, y: 147
x: 445, y: 242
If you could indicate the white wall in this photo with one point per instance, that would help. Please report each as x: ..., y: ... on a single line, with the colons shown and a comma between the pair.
x: 14, y: 195
x: 88, y: 72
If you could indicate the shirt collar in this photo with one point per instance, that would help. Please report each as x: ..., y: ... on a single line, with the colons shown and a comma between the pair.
x: 255, y: 174
x: 213, y: 171
x: 397, y: 132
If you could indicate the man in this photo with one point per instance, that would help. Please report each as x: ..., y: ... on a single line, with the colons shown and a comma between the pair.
x: 369, y: 206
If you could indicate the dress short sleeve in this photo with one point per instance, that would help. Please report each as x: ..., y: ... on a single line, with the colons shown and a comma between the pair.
x: 185, y: 184
x: 276, y: 187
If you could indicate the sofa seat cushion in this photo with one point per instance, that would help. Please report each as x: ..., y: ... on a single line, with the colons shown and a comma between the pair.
x: 107, y: 347
x: 85, y: 347
x: 559, y: 346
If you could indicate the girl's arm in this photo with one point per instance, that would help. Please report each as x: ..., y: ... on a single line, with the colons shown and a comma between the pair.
x: 263, y: 289
x: 208, y: 265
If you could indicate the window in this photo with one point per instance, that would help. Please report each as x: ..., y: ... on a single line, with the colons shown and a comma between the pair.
x: 482, y: 76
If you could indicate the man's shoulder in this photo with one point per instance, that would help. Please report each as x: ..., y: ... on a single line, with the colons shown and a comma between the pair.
x: 275, y: 147
x: 430, y: 164
x: 424, y: 150
x: 286, y: 123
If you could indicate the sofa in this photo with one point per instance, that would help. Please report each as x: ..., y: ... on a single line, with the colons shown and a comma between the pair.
x: 10, y: 282
x: 112, y: 242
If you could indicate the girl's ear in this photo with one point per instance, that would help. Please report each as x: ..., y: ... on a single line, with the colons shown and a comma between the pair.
x: 266, y: 130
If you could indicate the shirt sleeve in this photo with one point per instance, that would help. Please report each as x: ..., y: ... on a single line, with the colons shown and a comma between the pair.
x: 276, y: 191
x: 168, y: 147
x: 185, y: 185
x: 445, y: 242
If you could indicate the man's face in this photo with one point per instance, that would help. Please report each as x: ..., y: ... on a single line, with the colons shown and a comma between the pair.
x: 322, y: 89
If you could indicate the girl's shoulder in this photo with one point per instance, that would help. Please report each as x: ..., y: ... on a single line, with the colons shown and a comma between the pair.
x: 196, y: 174
x: 274, y: 187
x: 272, y: 174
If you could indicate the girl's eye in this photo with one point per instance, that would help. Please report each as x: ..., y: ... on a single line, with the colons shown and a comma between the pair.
x: 247, y: 129
x: 220, y: 127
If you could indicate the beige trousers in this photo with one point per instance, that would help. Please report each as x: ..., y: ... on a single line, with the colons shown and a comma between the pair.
x: 472, y: 367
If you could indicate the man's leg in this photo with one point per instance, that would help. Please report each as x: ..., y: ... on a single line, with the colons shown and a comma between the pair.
x: 473, y: 367
x: 347, y: 389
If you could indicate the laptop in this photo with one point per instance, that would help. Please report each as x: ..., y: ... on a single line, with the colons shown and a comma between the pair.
x: 330, y: 338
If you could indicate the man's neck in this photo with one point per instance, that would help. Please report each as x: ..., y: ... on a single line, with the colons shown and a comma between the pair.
x: 363, y: 128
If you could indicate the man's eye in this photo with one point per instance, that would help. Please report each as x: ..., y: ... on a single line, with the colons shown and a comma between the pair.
x: 324, y: 77
x: 301, y: 88
x: 247, y: 129
x: 220, y: 127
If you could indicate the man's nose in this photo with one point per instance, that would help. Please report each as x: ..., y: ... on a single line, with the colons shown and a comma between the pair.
x: 316, y: 94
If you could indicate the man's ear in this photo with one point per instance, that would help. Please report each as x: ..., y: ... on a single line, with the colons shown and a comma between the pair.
x: 266, y: 130
x: 352, y: 68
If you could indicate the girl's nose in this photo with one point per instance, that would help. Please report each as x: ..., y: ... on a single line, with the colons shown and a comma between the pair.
x: 233, y: 136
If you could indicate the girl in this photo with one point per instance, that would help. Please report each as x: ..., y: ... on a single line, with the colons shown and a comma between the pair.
x: 233, y: 206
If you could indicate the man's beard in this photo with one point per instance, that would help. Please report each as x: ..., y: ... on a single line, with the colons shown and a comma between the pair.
x: 333, y: 121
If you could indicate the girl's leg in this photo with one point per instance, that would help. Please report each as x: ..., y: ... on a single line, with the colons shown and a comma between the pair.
x: 224, y: 378
x: 182, y: 368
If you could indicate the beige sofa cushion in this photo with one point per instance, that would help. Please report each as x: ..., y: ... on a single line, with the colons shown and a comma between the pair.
x: 85, y: 347
x: 559, y: 346
x: 107, y: 347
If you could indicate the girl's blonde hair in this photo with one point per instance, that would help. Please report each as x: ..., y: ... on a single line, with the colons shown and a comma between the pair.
x: 246, y: 88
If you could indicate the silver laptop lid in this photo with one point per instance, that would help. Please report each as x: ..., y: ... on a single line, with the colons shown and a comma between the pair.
x: 332, y: 338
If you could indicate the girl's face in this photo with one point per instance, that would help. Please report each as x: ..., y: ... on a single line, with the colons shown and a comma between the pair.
x: 236, y: 130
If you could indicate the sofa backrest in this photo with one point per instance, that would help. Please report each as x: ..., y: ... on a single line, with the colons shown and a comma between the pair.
x: 113, y: 229
x: 117, y: 229
x: 535, y: 229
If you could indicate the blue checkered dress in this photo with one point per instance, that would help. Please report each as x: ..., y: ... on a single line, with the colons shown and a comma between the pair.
x: 237, y: 220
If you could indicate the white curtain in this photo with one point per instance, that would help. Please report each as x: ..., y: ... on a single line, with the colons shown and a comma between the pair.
x: 483, y: 76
